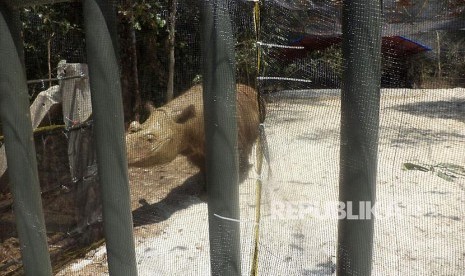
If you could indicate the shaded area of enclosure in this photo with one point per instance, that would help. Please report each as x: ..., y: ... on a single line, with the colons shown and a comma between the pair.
x: 451, y: 109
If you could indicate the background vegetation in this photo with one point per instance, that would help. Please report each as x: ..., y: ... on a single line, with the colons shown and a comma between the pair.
x: 55, y: 32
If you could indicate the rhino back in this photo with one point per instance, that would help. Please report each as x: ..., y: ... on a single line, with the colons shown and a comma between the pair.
x: 193, y: 130
x: 247, y: 119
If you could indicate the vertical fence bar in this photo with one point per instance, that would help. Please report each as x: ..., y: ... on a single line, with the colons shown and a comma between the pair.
x: 219, y: 96
x: 20, y: 150
x: 361, y: 26
x: 107, y: 106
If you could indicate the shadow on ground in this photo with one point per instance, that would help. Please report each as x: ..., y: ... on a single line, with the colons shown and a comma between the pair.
x: 179, y: 198
x: 412, y: 136
x: 326, y: 268
x: 452, y: 109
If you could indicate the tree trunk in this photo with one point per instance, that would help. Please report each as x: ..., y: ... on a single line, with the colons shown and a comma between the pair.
x: 136, y: 92
x: 129, y: 72
x: 49, y: 59
x: 170, y: 86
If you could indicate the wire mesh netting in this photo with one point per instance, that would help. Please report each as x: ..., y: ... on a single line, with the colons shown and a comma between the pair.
x: 289, y: 64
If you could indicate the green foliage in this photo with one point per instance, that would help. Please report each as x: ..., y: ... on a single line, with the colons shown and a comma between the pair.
x: 246, y: 61
x: 150, y: 22
x: 332, y: 56
x: 50, y: 27
x: 421, y: 68
x: 433, y: 70
x: 145, y: 15
x: 58, y: 28
x: 148, y: 18
x: 453, y: 58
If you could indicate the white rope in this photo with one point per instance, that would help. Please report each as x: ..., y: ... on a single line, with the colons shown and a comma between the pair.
x: 285, y: 79
x: 233, y: 220
x: 279, y: 46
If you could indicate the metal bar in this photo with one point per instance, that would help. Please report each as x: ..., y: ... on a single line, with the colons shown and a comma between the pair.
x: 219, y: 96
x: 20, y: 150
x: 56, y: 79
x: 360, y: 99
x: 107, y: 106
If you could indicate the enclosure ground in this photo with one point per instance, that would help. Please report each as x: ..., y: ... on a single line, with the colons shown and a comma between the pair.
x: 420, y: 229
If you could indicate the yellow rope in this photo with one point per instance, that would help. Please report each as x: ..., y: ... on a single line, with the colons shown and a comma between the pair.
x: 256, y: 17
x: 42, y: 130
x: 259, y: 152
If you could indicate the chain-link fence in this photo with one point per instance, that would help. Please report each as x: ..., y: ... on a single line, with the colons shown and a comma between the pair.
x: 304, y: 95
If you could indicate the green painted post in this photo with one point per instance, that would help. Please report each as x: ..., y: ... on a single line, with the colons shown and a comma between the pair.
x: 219, y: 96
x: 361, y: 27
x: 19, y: 146
x: 100, y: 29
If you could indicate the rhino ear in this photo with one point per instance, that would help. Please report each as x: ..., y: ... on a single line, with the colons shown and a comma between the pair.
x: 149, y: 107
x: 186, y: 114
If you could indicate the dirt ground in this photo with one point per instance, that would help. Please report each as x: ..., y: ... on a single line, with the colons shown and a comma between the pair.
x: 156, y: 193
x: 420, y: 178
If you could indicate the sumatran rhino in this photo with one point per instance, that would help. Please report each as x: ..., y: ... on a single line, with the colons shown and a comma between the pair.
x: 178, y: 128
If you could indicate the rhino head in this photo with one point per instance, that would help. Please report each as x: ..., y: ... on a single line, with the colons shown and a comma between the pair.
x: 160, y: 138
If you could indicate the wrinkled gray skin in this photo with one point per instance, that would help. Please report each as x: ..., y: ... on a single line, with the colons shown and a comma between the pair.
x: 178, y: 128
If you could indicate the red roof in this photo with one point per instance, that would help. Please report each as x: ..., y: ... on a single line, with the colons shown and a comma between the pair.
x: 392, y: 45
x: 403, y: 46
